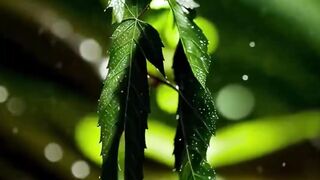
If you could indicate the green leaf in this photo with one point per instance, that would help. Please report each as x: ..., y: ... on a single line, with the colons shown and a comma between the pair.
x: 124, y: 9
x: 124, y: 102
x: 194, y: 42
x: 117, y: 8
x: 188, y: 4
x: 196, y: 122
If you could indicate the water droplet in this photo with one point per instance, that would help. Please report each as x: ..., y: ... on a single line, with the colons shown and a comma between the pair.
x: 179, y: 139
x: 177, y: 116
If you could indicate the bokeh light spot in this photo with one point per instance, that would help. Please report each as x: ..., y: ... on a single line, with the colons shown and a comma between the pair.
x: 80, y: 169
x: 235, y: 102
x: 53, y: 152
x: 3, y: 94
x: 167, y: 99
x: 87, y: 136
x: 62, y: 28
x: 16, y: 106
x: 159, y: 4
x: 90, y: 50
x: 252, y: 44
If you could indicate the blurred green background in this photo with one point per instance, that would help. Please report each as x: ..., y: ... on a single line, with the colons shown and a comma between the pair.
x: 265, y: 80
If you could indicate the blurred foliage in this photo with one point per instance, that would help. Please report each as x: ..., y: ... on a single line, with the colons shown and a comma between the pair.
x: 275, y: 43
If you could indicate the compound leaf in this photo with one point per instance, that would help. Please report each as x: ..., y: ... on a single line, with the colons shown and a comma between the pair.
x: 124, y: 102
x: 196, y: 122
x: 124, y: 9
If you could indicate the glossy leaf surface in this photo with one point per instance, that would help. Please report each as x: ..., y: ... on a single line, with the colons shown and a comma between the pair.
x: 194, y: 42
x: 196, y: 119
x: 124, y: 103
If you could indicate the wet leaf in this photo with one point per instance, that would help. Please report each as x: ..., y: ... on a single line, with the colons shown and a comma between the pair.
x: 124, y: 102
x: 124, y: 9
x: 188, y: 4
x: 117, y: 8
x: 196, y: 122
x: 194, y: 42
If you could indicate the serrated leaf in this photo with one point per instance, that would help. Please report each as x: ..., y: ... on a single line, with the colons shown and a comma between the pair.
x: 124, y: 102
x: 196, y: 122
x: 151, y: 46
x: 194, y: 42
x: 124, y: 9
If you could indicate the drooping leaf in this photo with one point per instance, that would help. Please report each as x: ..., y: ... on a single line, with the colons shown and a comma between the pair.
x: 124, y: 102
x: 194, y: 42
x: 196, y: 122
x: 123, y: 9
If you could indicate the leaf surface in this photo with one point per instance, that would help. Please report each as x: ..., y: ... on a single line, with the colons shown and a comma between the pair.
x: 117, y: 9
x: 188, y: 4
x: 196, y: 122
x: 124, y: 102
x: 194, y: 42
x: 124, y: 9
